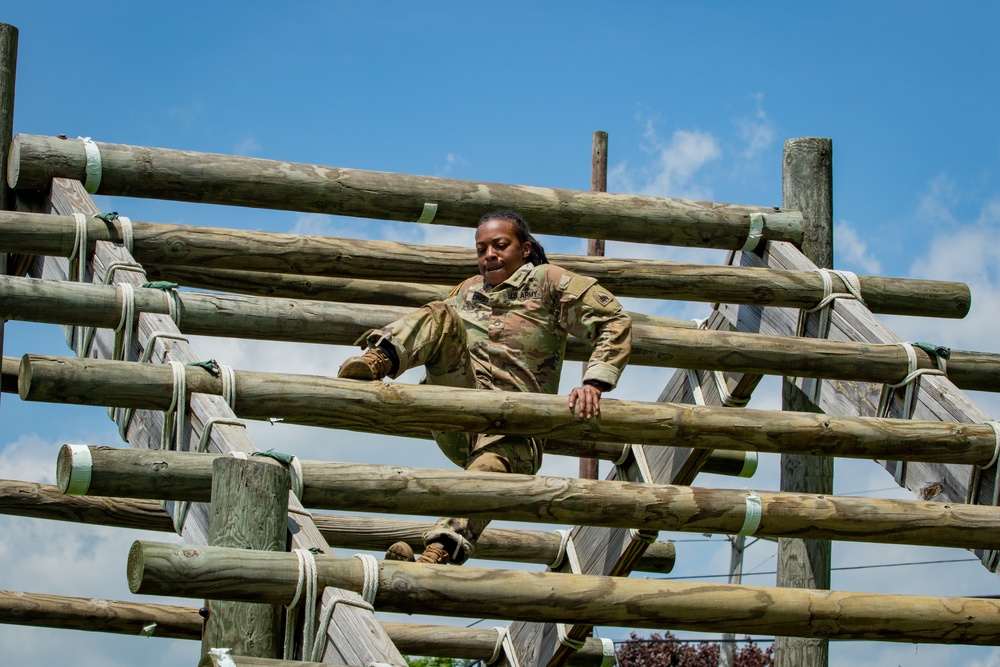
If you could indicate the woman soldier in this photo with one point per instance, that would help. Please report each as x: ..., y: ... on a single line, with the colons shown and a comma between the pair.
x: 505, y: 329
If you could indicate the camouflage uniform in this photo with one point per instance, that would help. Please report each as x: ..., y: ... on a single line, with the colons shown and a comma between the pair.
x: 510, y: 338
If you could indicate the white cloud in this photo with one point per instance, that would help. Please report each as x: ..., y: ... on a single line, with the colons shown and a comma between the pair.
x: 246, y: 146
x: 756, y: 132
x: 852, y: 250
x: 936, y: 205
x: 674, y: 165
x: 452, y: 161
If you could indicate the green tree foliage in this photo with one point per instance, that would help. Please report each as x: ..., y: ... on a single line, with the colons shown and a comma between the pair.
x: 667, y: 651
x: 421, y: 661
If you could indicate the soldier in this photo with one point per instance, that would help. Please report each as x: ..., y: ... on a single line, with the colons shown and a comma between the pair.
x: 505, y: 329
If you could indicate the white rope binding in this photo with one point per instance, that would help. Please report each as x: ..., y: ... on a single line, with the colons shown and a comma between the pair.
x: 504, y: 645
x: 223, y: 655
x: 176, y: 413
x: 911, y: 382
x: 128, y: 233
x: 608, y: 649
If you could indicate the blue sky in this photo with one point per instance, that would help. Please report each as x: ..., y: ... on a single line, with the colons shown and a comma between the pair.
x: 697, y: 98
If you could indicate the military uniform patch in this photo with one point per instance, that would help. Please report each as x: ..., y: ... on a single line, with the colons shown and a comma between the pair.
x: 603, y: 297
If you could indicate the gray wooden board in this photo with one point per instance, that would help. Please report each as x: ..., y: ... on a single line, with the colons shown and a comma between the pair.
x: 937, y: 400
x: 354, y: 636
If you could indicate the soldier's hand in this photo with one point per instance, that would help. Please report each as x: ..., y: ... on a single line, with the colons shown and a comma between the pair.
x: 587, y: 400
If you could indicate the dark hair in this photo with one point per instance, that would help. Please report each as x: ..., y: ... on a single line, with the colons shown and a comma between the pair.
x: 521, y: 231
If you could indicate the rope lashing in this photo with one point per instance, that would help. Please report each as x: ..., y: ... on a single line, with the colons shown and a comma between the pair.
x: 127, y: 231
x: 853, y: 286
x: 228, y: 385
x: 176, y: 413
x: 123, y: 417
x: 314, y: 642
x: 911, y: 381
x: 77, y: 271
x: 567, y: 549
x: 94, y: 170
x: 504, y: 645
x: 295, y: 476
x: 223, y: 656
x: 752, y: 515
x: 995, y: 425
x: 755, y: 233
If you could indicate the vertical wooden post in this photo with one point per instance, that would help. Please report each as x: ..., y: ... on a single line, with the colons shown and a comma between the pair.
x: 8, y: 71
x: 807, y: 185
x: 595, y: 247
x: 249, y: 511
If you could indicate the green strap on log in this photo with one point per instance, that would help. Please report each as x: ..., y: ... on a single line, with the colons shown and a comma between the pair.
x: 277, y: 456
x: 160, y: 284
x: 107, y: 217
x: 935, y: 350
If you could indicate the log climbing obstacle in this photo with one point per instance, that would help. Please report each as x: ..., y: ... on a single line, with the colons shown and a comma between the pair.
x: 207, y: 178
x: 184, y: 250
x: 412, y: 411
x: 403, y: 490
x: 188, y: 571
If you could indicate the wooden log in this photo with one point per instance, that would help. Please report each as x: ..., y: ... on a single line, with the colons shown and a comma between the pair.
x: 354, y: 635
x: 332, y: 323
x: 8, y: 375
x: 94, y: 615
x: 168, y: 569
x: 249, y: 511
x: 396, y: 408
x: 158, y: 173
x: 424, y: 491
x: 44, y: 501
x: 206, y: 248
x: 230, y: 660
x: 807, y: 180
x: 8, y: 75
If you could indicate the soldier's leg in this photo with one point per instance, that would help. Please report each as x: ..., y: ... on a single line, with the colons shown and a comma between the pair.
x: 453, y: 539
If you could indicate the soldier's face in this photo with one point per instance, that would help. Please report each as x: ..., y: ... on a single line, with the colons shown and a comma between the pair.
x: 499, y: 252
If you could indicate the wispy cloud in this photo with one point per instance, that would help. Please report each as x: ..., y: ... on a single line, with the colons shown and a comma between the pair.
x: 757, y: 131
x: 247, y: 146
x: 852, y: 250
x: 452, y: 162
x: 674, y: 166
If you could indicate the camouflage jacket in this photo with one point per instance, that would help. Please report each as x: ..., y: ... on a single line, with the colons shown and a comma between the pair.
x: 517, y: 330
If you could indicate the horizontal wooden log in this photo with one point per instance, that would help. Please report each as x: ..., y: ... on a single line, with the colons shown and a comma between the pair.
x: 176, y: 622
x: 322, y: 267
x: 332, y: 323
x: 167, y: 569
x: 395, y: 408
x: 45, y: 501
x: 424, y: 491
x: 94, y: 615
x: 159, y: 173
x: 231, y: 660
x: 8, y: 374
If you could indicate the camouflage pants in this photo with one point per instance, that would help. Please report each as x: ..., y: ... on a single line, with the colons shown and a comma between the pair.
x: 434, y: 337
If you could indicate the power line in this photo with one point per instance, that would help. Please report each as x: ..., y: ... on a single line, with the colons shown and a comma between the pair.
x: 846, y: 567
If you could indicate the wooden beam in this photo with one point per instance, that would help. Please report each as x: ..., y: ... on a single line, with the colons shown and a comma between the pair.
x: 249, y: 511
x: 807, y: 180
x: 654, y: 507
x: 168, y: 569
x: 395, y: 408
x: 44, y: 501
x: 158, y: 173
x: 8, y: 75
x: 205, y: 248
x: 354, y: 636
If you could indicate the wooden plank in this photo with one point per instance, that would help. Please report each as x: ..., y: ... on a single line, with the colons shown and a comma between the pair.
x: 938, y: 399
x: 355, y: 637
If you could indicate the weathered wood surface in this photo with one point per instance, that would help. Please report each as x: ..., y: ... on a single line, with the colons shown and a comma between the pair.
x: 195, y: 249
x: 160, y: 569
x: 355, y: 636
x: 231, y: 660
x: 8, y: 77
x: 807, y: 184
x: 249, y: 511
x: 333, y: 323
x: 44, y: 501
x: 425, y: 491
x: 938, y: 398
x: 395, y: 408
x: 158, y: 173
x: 96, y: 615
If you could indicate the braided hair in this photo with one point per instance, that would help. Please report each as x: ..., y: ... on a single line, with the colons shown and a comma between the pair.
x: 521, y: 231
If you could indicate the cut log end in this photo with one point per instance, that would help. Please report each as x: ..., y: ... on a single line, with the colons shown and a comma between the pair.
x: 14, y: 163
x: 136, y: 566
x: 24, y: 378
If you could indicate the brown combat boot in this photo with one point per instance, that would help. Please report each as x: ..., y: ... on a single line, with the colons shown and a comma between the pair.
x: 400, y: 551
x: 434, y: 554
x: 373, y: 365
